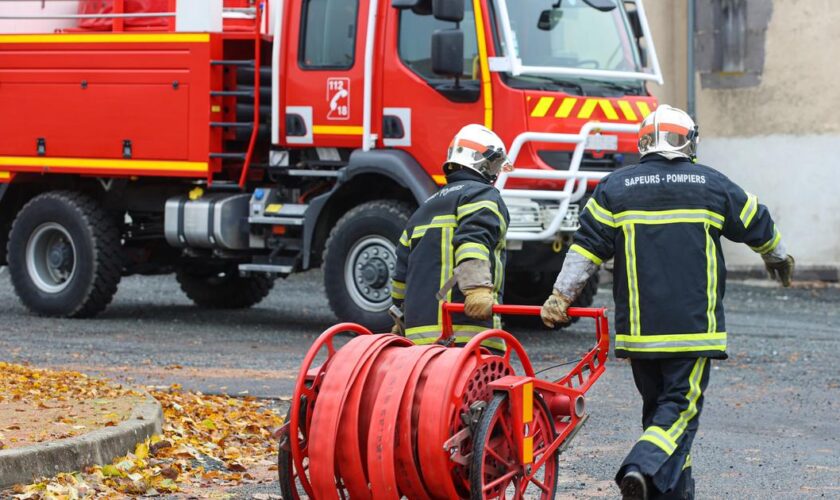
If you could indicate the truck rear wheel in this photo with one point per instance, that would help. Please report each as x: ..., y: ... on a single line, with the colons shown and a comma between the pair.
x: 360, y: 259
x: 65, y: 255
x: 223, y: 288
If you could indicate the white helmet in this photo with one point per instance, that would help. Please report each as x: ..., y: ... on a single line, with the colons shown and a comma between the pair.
x: 478, y: 148
x: 669, y: 132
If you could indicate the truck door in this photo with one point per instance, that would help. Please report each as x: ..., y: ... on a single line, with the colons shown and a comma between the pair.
x: 324, y: 80
x: 423, y: 111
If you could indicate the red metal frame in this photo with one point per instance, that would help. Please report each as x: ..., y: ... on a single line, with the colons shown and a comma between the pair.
x: 562, y: 395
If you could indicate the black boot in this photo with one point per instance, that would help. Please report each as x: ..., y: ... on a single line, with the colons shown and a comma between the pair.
x: 633, y: 484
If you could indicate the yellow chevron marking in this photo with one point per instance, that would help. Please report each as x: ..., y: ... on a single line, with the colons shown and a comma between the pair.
x: 587, y: 109
x: 608, y: 109
x: 643, y: 108
x: 4, y: 176
x: 542, y: 107
x: 566, y: 107
x: 627, y: 109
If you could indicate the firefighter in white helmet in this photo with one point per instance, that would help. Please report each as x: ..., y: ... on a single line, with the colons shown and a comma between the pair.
x: 662, y: 221
x: 454, y: 244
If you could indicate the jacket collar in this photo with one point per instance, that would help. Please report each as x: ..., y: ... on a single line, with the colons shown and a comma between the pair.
x: 465, y: 174
x: 657, y: 157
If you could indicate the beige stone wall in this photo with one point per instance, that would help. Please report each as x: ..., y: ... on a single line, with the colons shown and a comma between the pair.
x: 798, y: 93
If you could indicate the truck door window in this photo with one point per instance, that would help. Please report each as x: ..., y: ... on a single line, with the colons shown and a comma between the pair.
x: 328, y: 34
x: 415, y: 49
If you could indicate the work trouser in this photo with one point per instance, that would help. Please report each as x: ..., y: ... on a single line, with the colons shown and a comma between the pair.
x: 672, y: 397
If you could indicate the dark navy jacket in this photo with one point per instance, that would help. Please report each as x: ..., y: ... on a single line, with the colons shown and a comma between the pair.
x: 662, y: 220
x: 466, y: 219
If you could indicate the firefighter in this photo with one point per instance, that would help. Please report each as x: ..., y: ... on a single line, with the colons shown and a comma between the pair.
x: 662, y: 221
x: 454, y: 245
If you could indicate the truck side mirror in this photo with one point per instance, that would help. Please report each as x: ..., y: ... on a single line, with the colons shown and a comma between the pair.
x: 419, y: 7
x: 448, y: 10
x: 635, y: 23
x: 448, y: 52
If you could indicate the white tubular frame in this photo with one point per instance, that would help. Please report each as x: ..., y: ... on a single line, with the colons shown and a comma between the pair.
x: 370, y: 38
x: 576, y: 181
x: 276, y: 46
x: 515, y: 66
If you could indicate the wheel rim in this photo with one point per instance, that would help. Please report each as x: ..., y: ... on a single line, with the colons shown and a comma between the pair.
x: 51, y: 257
x: 367, y: 272
x: 501, y: 476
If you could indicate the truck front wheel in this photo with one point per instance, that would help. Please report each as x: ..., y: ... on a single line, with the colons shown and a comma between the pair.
x: 360, y: 259
x: 223, y: 288
x: 65, y: 255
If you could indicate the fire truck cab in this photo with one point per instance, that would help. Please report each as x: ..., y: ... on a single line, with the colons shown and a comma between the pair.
x: 235, y: 141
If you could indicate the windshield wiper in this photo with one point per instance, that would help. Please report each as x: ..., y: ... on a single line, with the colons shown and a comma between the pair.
x: 556, y: 82
x: 624, y: 87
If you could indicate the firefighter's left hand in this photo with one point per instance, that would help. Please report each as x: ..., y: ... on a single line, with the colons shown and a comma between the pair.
x: 479, y: 303
x: 555, y: 310
x: 782, y: 270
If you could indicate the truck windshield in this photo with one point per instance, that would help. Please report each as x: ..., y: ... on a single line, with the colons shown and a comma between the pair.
x: 572, y: 34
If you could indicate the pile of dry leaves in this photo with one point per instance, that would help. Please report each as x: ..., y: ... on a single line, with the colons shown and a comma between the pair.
x: 207, y: 441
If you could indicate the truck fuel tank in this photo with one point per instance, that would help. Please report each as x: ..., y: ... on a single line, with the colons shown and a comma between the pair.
x: 212, y: 221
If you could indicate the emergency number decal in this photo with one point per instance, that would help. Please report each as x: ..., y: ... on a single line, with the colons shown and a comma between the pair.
x: 338, y: 97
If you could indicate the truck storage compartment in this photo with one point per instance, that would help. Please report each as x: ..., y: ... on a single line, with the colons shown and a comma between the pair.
x: 144, y: 100
x: 212, y: 221
x: 130, y: 7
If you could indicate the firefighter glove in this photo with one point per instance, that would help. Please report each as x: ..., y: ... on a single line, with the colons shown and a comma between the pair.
x: 781, y: 270
x: 554, y: 311
x: 479, y: 303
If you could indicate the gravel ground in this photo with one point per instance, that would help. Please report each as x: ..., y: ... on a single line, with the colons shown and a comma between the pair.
x: 769, y: 427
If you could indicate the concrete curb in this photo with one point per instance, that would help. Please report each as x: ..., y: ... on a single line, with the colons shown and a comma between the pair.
x: 24, y: 465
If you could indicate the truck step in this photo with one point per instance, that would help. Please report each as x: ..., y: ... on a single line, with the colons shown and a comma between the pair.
x: 233, y: 62
x: 232, y: 124
x: 229, y: 156
x: 266, y: 268
x: 232, y: 93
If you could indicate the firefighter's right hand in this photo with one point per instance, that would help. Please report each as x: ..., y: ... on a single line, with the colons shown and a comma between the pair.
x: 555, y: 310
x: 783, y: 270
x: 479, y: 303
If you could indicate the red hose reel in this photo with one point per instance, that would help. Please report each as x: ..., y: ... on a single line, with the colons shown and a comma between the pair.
x: 382, y: 418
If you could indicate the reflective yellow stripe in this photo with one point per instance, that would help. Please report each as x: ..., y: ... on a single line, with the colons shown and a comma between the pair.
x: 542, y: 107
x: 660, y: 438
x: 439, y: 222
x: 486, y: 84
x: 608, y: 109
x: 337, y: 130
x: 469, y: 208
x: 643, y: 108
x: 586, y: 253
x: 687, y: 463
x: 749, y: 210
x: 404, y: 239
x: 397, y: 289
x: 445, y: 266
x: 587, y: 108
x: 472, y: 251
x: 688, y: 215
x: 4, y: 176
x: 669, y: 339
x: 711, y: 281
x: 770, y: 245
x: 632, y: 278
x: 627, y: 109
x: 108, y: 38
x: 693, y: 396
x: 566, y: 107
x: 100, y: 164
x: 601, y: 214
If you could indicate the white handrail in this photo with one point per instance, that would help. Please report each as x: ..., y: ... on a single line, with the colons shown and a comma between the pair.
x: 576, y: 181
x: 370, y: 38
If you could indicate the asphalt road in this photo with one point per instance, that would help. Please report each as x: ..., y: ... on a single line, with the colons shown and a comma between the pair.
x: 770, y: 426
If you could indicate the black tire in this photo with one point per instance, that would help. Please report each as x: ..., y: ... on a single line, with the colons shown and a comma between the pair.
x: 372, y: 225
x: 83, y: 237
x: 485, y: 426
x: 223, y: 288
x: 532, y: 288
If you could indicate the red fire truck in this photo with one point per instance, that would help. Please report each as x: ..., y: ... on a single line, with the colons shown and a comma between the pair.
x: 235, y: 141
